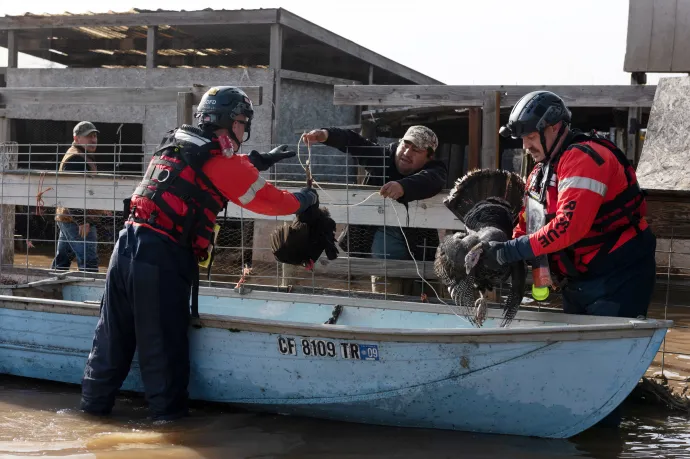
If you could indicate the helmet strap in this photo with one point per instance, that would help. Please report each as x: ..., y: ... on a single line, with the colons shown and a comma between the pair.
x: 542, y: 138
x: 234, y: 137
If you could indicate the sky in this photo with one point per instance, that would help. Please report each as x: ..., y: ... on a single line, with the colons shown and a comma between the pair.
x: 461, y: 42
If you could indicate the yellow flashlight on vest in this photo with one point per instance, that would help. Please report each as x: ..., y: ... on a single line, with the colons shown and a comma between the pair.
x: 541, y: 278
x: 209, y: 250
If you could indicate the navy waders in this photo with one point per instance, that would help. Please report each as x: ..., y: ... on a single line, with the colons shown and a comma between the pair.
x: 145, y: 306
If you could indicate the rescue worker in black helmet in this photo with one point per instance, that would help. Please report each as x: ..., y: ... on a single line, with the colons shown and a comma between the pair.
x: 154, y: 268
x: 584, y: 211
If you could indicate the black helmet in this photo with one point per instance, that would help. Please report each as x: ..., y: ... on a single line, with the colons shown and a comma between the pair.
x: 533, y: 113
x: 220, y: 105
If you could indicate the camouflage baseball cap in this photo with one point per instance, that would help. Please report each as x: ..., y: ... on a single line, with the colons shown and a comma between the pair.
x: 422, y: 137
x: 84, y: 128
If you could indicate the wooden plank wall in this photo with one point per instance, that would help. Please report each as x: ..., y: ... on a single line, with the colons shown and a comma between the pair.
x: 106, y: 192
x: 608, y: 96
x: 658, y: 36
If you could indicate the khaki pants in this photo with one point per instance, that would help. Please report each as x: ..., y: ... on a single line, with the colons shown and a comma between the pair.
x: 392, y: 285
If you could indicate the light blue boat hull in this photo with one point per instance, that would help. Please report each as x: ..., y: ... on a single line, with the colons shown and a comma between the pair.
x: 439, y: 375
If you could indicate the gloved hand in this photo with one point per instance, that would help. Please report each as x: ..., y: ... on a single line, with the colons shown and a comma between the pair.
x: 497, y: 254
x: 307, y: 197
x: 263, y: 161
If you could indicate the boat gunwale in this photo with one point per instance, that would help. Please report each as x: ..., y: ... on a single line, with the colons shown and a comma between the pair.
x: 624, y: 328
x: 405, y: 306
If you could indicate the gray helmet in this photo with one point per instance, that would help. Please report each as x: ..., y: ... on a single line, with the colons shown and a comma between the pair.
x: 219, y: 107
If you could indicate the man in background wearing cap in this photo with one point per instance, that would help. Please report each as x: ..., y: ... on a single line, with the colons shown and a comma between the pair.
x: 406, y: 171
x: 78, y: 230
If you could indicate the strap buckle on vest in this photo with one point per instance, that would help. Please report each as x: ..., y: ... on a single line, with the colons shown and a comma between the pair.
x: 153, y: 217
x: 163, y: 175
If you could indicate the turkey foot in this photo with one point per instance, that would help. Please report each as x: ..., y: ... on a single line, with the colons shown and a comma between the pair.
x: 481, y: 305
x: 472, y: 257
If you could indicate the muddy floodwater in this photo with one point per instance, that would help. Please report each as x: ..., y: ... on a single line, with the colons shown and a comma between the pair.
x: 39, y: 418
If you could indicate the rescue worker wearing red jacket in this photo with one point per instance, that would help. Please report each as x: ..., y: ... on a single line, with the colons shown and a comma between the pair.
x: 587, y: 211
x: 154, y: 268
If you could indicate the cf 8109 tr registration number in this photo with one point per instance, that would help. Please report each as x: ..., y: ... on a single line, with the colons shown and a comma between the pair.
x: 311, y: 347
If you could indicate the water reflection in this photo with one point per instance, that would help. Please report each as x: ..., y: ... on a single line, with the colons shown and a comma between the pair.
x: 39, y: 418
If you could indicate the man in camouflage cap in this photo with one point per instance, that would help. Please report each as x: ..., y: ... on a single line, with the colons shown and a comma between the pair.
x: 406, y: 171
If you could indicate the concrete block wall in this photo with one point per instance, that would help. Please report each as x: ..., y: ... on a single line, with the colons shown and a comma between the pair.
x: 307, y: 105
x: 156, y: 119
x: 303, y: 105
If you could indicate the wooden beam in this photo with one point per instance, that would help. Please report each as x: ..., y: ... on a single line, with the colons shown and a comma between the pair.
x: 475, y: 140
x: 313, y: 78
x: 106, y: 192
x: 325, y: 36
x: 618, y: 96
x: 151, y: 47
x: 633, y: 130
x: 490, y: 112
x: 185, y: 100
x: 276, y: 64
x: 110, y: 95
x: 9, y: 155
x: 179, y: 18
x: 342, y: 266
x: 354, y: 127
x: 371, y: 74
x: 12, y: 50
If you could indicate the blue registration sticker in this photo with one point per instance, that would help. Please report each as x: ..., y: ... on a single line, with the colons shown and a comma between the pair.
x: 368, y: 352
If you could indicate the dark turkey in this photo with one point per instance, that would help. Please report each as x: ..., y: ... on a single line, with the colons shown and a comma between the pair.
x: 303, y: 241
x: 488, y: 203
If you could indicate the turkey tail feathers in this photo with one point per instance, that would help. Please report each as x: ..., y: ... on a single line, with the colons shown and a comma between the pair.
x: 288, y: 243
x: 498, y: 186
x: 304, y: 240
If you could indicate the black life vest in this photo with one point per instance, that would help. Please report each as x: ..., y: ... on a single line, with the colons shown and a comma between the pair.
x: 174, y: 177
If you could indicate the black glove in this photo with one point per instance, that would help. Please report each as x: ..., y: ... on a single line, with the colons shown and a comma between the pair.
x: 307, y: 197
x: 263, y: 161
x: 498, y: 254
x: 492, y: 255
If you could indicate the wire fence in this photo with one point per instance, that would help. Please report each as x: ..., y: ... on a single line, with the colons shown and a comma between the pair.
x: 373, y: 262
x: 42, y: 196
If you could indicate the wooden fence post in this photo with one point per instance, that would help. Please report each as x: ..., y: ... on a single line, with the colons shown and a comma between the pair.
x: 185, y: 101
x: 8, y: 161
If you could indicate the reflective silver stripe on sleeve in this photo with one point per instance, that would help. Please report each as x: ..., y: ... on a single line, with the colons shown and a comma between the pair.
x: 254, y: 188
x: 191, y: 138
x: 583, y: 183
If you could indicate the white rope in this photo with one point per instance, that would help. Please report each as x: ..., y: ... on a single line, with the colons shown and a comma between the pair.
x: 396, y: 216
x: 317, y: 183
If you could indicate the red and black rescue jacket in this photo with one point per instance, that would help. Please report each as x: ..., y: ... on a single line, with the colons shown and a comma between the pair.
x: 189, y: 181
x: 592, y: 201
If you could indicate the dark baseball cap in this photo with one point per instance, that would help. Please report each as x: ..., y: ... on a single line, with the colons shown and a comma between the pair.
x: 84, y: 128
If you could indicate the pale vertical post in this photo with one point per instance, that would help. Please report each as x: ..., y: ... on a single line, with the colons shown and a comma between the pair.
x: 490, y: 120
x: 12, y: 50
x: 275, y: 64
x: 475, y: 140
x: 634, y: 120
x: 8, y: 161
x: 151, y: 47
x: 185, y: 101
